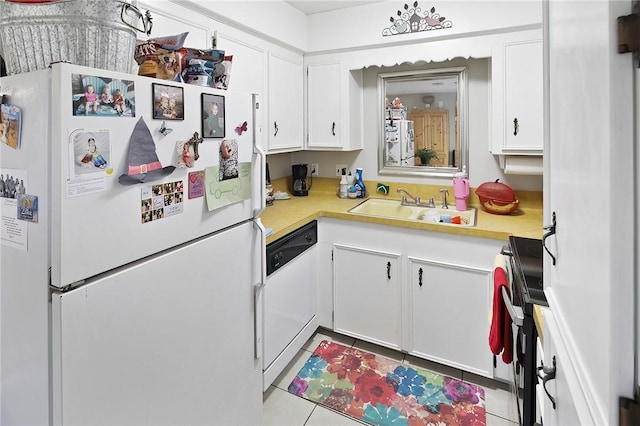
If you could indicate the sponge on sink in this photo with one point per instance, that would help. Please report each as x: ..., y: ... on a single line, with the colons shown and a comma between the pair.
x: 382, y: 188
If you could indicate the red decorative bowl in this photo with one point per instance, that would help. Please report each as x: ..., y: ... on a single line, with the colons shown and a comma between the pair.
x: 497, y: 198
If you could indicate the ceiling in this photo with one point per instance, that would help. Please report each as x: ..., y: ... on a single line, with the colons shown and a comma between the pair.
x: 309, y: 7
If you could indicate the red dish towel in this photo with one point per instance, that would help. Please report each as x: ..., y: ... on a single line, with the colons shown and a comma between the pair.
x: 500, y: 335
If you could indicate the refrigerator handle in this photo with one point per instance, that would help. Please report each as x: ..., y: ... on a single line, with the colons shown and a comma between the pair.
x: 257, y: 211
x: 262, y: 203
x: 258, y: 290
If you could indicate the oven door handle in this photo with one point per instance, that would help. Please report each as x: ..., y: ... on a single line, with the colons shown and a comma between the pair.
x: 515, y: 312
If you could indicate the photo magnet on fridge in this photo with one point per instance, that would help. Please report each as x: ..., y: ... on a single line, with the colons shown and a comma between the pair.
x: 28, y: 208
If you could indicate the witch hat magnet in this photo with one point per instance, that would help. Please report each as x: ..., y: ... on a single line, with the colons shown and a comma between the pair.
x: 144, y: 165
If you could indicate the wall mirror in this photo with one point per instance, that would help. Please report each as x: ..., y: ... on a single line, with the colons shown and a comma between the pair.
x: 423, y: 122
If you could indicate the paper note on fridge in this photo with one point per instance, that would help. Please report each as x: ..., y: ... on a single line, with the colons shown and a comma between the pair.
x: 228, y: 191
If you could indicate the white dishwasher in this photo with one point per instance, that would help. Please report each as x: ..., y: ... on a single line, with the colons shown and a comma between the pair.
x: 289, y: 299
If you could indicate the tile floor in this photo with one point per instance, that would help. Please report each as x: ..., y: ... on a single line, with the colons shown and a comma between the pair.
x: 284, y: 409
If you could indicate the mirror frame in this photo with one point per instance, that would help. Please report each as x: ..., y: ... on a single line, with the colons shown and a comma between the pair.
x: 462, y: 103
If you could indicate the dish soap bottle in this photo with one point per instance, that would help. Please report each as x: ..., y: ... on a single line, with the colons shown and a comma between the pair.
x: 461, y: 189
x: 361, y: 191
x: 343, y: 185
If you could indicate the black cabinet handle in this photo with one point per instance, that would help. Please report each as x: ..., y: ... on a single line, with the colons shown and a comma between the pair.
x: 275, y: 127
x: 388, y: 270
x: 420, y: 277
x: 549, y: 374
x: 333, y: 128
x: 551, y: 230
x: 516, y: 127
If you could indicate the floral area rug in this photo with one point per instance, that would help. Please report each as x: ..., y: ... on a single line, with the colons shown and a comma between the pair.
x: 382, y: 392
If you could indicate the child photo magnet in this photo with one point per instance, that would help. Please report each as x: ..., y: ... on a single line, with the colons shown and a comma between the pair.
x: 168, y: 102
x: 213, y: 123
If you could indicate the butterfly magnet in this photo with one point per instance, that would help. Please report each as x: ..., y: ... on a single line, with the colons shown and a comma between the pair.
x: 241, y: 128
x: 164, y: 130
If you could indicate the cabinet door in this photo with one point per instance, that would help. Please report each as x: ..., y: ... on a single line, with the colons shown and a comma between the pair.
x: 517, y: 98
x: 431, y: 130
x: 284, y: 125
x: 449, y: 307
x: 559, y: 388
x: 248, y: 70
x: 438, y: 136
x: 367, y: 294
x: 523, y: 95
x: 323, y: 106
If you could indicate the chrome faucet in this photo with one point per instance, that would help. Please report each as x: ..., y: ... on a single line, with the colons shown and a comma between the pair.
x: 444, y: 192
x: 405, y: 194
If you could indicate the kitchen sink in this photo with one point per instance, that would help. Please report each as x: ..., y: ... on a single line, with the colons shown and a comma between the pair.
x: 392, y: 209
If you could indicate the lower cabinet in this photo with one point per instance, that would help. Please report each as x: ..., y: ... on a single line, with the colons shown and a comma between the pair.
x: 367, y: 294
x: 449, y: 310
x: 421, y: 292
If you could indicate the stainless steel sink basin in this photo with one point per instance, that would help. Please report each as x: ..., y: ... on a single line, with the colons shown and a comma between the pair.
x: 392, y: 209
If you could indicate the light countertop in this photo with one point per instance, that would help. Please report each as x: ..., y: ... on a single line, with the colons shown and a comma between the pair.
x: 285, y: 216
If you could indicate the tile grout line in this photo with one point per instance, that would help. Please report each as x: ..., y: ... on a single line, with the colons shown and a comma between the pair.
x: 315, y: 405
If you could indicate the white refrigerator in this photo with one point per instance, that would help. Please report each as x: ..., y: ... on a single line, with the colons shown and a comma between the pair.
x: 399, y: 142
x: 134, y: 298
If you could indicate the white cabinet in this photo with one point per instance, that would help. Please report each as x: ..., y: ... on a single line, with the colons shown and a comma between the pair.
x: 591, y: 122
x: 516, y: 86
x: 367, y: 285
x: 333, y: 123
x: 285, y: 116
x: 559, y: 388
x: 323, y: 106
x: 248, y: 69
x: 448, y: 303
x: 445, y: 319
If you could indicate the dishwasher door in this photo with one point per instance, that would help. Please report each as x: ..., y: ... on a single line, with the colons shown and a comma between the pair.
x: 289, y: 299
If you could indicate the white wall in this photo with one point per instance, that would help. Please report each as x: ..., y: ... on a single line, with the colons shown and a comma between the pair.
x: 275, y: 20
x: 363, y: 25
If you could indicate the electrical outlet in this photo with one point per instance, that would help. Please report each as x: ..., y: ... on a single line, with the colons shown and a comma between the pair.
x: 339, y: 168
x: 315, y: 169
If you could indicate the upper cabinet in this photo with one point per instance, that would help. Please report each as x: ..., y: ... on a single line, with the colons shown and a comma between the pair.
x: 334, y: 107
x: 248, y: 71
x: 285, y: 117
x: 275, y: 74
x: 516, y: 74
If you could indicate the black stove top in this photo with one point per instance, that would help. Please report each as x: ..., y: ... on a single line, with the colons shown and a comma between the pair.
x: 527, y: 268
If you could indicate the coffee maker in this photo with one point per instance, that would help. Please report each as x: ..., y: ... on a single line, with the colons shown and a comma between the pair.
x: 299, y: 173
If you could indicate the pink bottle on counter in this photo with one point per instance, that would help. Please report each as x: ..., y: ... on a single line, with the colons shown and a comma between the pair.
x: 461, y: 189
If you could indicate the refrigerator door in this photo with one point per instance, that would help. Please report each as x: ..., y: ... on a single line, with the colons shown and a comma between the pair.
x: 97, y: 224
x: 168, y: 340
x: 24, y: 262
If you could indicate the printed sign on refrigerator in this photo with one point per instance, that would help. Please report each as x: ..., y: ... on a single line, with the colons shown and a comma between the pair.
x: 13, y: 186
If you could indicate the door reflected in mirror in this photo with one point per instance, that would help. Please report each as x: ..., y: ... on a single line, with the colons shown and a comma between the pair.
x: 422, y: 118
